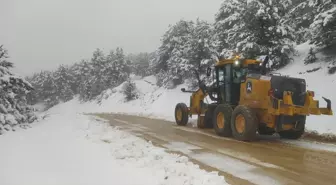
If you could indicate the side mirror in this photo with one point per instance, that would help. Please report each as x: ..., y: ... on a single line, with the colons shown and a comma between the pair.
x: 183, y: 90
x: 208, y: 72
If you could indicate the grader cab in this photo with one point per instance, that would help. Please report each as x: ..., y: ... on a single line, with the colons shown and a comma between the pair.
x: 247, y: 101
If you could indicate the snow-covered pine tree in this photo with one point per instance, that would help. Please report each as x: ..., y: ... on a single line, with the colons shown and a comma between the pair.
x: 227, y: 18
x: 186, y: 47
x: 130, y: 91
x: 97, y: 84
x: 38, y: 94
x: 101, y: 73
x: 140, y: 63
x: 200, y: 51
x: 170, y: 53
x: 110, y: 71
x: 300, y: 15
x: 64, y: 83
x: 49, y: 90
x: 14, y: 110
x: 257, y: 27
x: 323, y: 29
x: 121, y: 66
x: 33, y: 96
x: 76, y: 75
x: 311, y: 58
x: 85, y: 78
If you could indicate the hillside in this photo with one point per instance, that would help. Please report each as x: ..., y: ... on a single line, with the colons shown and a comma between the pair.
x: 158, y: 102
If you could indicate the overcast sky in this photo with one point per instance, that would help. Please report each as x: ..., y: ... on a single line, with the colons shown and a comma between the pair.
x: 41, y: 34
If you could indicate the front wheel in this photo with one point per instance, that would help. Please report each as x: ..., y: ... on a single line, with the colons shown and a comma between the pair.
x: 181, y: 114
x: 221, y: 120
x: 244, y: 123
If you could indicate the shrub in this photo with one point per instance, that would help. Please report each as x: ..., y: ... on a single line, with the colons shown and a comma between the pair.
x: 130, y: 91
x: 332, y: 70
x: 311, y: 58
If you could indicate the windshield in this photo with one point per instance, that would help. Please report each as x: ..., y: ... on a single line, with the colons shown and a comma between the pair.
x: 234, y: 74
x: 254, y: 68
x: 221, y: 74
x: 238, y: 74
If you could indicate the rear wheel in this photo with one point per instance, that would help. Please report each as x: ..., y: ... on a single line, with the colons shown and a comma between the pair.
x: 264, y: 130
x: 221, y: 120
x: 208, y: 123
x: 181, y: 114
x: 244, y: 123
x: 294, y: 134
x: 200, y: 122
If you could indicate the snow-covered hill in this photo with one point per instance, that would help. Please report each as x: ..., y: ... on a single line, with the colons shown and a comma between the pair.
x: 153, y: 101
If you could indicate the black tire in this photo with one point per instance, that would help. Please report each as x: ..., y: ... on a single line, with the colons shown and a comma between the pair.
x: 266, y: 131
x: 225, y: 111
x: 294, y: 134
x: 183, y: 120
x: 200, y: 122
x: 248, y: 131
x: 208, y: 123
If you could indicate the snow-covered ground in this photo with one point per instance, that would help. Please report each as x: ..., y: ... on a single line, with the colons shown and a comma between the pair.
x: 70, y: 148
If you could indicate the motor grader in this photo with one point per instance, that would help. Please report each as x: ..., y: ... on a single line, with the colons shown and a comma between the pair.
x: 248, y: 100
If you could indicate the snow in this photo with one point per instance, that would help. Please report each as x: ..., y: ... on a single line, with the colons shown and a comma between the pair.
x: 153, y: 101
x: 69, y: 148
x: 328, y: 15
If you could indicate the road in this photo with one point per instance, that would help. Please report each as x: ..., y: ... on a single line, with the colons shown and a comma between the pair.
x: 266, y: 161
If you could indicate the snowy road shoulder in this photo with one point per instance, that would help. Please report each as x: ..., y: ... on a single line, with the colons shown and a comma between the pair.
x: 77, y: 149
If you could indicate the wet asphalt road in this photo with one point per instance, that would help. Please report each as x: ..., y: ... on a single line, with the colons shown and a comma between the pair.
x: 266, y: 161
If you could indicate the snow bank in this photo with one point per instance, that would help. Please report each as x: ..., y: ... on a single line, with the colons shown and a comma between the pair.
x: 66, y: 148
x: 153, y: 101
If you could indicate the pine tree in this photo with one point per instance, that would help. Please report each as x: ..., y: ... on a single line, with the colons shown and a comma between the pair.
x: 102, y: 72
x: 257, y: 27
x: 49, y: 90
x: 14, y: 109
x: 301, y: 16
x: 83, y: 78
x: 64, y: 83
x: 323, y: 29
x: 311, y: 58
x: 129, y: 89
x: 97, y: 84
x: 170, y: 53
x: 228, y: 17
x: 202, y: 50
x: 140, y: 63
x: 121, y: 66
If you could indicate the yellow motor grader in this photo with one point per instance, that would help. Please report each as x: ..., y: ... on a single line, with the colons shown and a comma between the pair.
x: 247, y: 100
